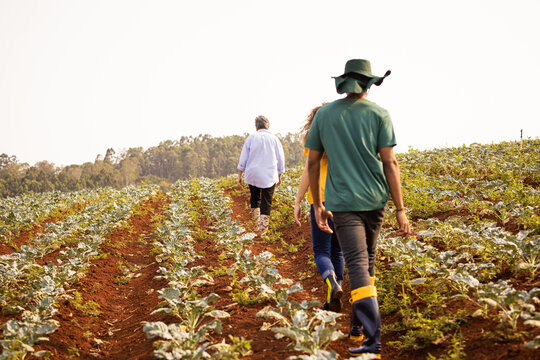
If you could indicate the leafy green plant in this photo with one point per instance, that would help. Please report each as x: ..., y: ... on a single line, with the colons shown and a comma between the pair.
x: 456, y: 351
x: 182, y: 343
x: 260, y: 275
x: 309, y: 333
x: 511, y: 304
x: 190, y: 312
x: 310, y: 330
x: 190, y: 338
x: 73, y: 352
x: 87, y: 307
x: 19, y: 336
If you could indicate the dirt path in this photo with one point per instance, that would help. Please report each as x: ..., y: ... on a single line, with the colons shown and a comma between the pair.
x: 116, y: 294
x: 292, y: 265
x: 266, y: 347
x: 124, y: 301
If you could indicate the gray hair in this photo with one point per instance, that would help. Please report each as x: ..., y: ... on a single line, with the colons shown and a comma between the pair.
x: 262, y: 122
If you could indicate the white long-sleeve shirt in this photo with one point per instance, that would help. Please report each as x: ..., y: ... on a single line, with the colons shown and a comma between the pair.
x: 262, y: 159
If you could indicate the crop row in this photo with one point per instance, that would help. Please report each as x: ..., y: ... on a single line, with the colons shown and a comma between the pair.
x: 22, y: 212
x: 33, y: 290
x: 475, y: 213
x: 186, y: 339
x: 494, y: 182
x: 255, y: 279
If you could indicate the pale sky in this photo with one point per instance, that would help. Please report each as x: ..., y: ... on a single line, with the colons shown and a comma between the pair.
x: 78, y: 77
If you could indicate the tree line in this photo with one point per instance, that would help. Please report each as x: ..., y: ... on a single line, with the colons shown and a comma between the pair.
x: 171, y: 160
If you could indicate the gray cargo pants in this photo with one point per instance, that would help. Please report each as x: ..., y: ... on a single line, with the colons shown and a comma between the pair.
x: 357, y: 233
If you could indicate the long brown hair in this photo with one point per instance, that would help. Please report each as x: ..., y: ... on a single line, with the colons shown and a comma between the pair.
x: 309, y: 119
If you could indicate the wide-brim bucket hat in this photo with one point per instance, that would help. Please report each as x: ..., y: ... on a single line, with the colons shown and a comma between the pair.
x: 357, y: 77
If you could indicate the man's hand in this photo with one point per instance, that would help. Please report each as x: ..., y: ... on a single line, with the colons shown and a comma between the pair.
x: 403, y: 223
x: 239, y: 180
x: 322, y: 216
x: 391, y: 172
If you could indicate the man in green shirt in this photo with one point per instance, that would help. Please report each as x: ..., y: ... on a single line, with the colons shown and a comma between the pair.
x: 358, y: 138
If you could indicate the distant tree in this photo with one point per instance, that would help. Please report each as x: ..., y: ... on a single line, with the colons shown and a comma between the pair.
x: 46, y: 167
x: 6, y: 160
x: 163, y: 164
x: 130, y: 170
x: 110, y: 156
x: 73, y: 171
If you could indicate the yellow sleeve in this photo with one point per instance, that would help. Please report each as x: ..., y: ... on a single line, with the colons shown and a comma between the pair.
x: 323, y: 178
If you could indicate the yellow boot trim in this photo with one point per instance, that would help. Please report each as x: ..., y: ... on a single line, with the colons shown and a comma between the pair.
x: 369, y: 356
x: 363, y: 292
x: 372, y: 280
x: 358, y: 338
x: 329, y: 295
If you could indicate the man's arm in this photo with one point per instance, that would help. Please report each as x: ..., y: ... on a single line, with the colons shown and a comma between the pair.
x: 280, y: 155
x: 244, y: 156
x: 314, y: 171
x: 391, y: 172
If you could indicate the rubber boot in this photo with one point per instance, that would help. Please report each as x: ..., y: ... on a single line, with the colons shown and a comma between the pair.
x: 263, y: 224
x: 365, y: 308
x: 334, y: 293
x: 356, y: 330
x: 256, y: 217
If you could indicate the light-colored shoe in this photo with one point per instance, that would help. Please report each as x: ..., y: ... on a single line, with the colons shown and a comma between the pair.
x: 263, y: 224
x: 256, y: 218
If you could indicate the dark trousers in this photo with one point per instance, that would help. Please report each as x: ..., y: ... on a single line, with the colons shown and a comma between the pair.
x: 261, y: 198
x: 357, y: 232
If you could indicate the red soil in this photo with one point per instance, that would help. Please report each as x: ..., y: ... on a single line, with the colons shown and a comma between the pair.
x: 24, y: 237
x: 117, y: 332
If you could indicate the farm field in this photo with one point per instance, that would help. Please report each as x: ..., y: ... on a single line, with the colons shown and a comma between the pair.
x: 140, y: 273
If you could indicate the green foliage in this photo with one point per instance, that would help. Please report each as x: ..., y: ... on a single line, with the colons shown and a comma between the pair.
x: 510, y: 304
x: 200, y: 156
x: 34, y: 290
x: 422, y: 328
x: 260, y: 278
x: 121, y: 280
x: 19, y: 336
x: 182, y: 343
x: 474, y: 211
x: 456, y: 351
x: 189, y: 339
x: 87, y: 307
x: 294, y: 247
x: 311, y: 329
x: 73, y: 352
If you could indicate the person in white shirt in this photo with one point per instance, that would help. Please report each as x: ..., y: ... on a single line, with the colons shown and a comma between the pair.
x: 262, y: 161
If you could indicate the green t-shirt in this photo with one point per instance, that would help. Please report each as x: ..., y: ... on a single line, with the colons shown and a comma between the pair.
x: 351, y: 132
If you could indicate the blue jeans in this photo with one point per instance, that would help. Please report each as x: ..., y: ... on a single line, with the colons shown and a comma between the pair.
x: 326, y: 250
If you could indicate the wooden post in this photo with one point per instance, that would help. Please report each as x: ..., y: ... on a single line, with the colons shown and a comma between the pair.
x: 521, y: 141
